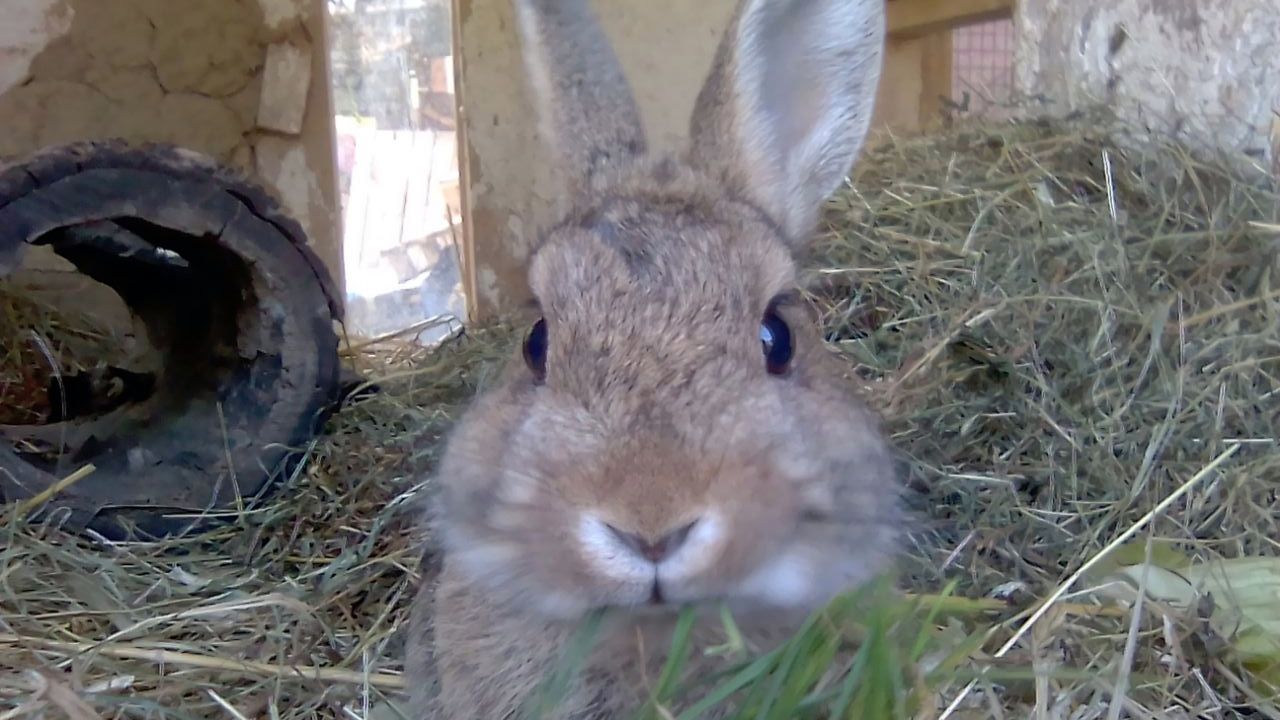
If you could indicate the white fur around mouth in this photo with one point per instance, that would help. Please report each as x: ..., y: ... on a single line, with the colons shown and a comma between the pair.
x: 698, y: 553
x: 609, y: 557
x: 632, y: 575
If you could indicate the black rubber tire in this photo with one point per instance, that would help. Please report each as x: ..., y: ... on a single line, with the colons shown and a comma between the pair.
x: 246, y: 332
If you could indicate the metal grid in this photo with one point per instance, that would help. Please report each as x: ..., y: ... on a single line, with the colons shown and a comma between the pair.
x: 983, y: 66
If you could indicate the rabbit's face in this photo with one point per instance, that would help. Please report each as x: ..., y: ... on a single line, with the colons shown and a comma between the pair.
x: 675, y: 431
x: 697, y: 445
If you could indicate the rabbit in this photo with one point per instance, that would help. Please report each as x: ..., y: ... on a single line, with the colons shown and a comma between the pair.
x: 673, y: 432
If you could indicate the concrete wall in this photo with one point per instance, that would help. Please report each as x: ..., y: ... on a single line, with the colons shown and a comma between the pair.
x: 245, y: 81
x: 1208, y: 69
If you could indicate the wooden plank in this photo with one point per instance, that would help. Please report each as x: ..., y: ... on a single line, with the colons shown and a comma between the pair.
x: 467, y: 252
x: 897, y: 105
x: 358, y: 194
x: 444, y: 172
x: 915, y: 79
x: 914, y: 18
x: 320, y: 138
x: 417, y: 187
x: 386, y: 205
x: 937, y: 57
x: 376, y: 210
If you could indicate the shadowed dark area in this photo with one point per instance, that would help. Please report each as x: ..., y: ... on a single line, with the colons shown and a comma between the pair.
x: 238, y: 311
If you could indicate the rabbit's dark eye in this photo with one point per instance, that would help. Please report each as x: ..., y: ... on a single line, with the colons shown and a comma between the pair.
x: 775, y: 337
x: 535, y: 350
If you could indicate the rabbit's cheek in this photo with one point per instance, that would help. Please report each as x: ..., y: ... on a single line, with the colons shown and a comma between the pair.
x: 486, y: 561
x: 559, y: 604
x: 517, y: 489
x: 799, y: 462
x: 784, y: 580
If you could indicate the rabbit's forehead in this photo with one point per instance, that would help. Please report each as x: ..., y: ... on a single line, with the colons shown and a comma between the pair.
x: 649, y: 309
x: 641, y: 261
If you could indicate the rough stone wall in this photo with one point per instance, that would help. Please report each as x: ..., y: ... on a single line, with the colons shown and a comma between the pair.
x: 241, y: 80
x: 1208, y: 70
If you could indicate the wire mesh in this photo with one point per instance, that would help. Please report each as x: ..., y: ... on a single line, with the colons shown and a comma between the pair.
x: 983, y: 66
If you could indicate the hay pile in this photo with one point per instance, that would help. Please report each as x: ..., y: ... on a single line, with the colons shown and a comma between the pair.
x: 1063, y: 335
x: 38, y: 337
x: 289, y: 611
x: 1066, y: 334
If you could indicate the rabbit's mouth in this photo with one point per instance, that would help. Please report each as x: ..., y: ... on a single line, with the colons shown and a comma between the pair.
x: 661, y: 603
x: 658, y: 602
x: 655, y: 594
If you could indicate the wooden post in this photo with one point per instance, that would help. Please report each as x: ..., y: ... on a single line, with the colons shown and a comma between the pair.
x: 465, y: 235
x: 320, y: 136
x: 935, y: 74
x: 919, y: 57
x: 916, y: 76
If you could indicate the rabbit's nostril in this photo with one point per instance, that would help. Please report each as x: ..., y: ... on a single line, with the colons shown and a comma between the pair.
x: 676, y: 538
x: 655, y: 551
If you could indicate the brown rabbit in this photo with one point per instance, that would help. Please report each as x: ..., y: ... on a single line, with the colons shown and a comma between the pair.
x: 674, y: 431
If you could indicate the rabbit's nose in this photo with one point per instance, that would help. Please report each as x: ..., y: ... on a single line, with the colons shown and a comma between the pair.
x: 655, y: 550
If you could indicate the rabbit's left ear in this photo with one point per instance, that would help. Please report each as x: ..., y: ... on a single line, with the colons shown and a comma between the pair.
x: 585, y: 109
x: 788, y: 102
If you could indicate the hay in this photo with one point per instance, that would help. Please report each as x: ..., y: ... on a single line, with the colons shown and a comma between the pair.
x: 39, y: 338
x: 289, y: 611
x: 1062, y: 333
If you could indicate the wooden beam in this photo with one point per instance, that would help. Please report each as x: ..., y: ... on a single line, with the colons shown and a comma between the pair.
x: 466, y: 239
x: 913, y: 18
x: 916, y: 76
x: 901, y: 88
x: 936, y: 64
x: 320, y: 140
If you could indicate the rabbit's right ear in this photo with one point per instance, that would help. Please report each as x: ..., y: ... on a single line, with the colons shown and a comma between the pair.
x: 585, y: 108
x: 788, y: 103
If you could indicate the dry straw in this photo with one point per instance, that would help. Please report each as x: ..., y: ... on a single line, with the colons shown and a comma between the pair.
x: 1074, y: 342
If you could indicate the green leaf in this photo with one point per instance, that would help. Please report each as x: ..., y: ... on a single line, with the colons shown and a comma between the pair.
x: 1245, y: 594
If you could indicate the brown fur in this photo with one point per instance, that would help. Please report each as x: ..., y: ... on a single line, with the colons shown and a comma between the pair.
x: 656, y: 410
